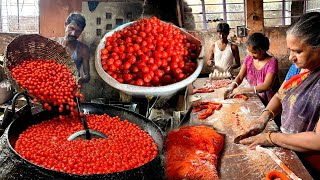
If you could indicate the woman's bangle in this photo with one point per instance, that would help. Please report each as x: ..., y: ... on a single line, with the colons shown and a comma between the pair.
x: 233, y: 82
x: 273, y: 115
x: 269, y: 138
x: 255, y: 89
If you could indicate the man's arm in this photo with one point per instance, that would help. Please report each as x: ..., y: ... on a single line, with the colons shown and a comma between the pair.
x: 211, y: 57
x: 85, y: 78
x: 235, y: 52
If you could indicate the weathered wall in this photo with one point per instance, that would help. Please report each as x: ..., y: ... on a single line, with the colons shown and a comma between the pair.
x: 254, y: 11
x: 5, y: 39
x: 278, y: 47
x: 53, y: 15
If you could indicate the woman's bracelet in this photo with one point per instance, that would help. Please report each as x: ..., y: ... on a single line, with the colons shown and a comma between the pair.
x: 273, y: 115
x: 269, y: 138
x: 233, y: 82
x: 255, y: 89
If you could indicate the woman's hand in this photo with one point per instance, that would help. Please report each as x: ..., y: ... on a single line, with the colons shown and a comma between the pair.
x: 227, y: 92
x: 234, y: 92
x: 253, y: 141
x: 254, y: 128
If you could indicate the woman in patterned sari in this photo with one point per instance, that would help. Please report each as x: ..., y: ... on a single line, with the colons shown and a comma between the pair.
x: 298, y: 100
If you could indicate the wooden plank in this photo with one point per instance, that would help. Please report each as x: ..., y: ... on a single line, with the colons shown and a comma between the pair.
x: 237, y: 161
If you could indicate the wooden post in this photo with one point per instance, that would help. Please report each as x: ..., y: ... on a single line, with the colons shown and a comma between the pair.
x: 254, y: 16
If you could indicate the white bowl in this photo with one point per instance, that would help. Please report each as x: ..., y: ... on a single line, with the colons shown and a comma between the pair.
x: 142, y: 90
x: 194, y: 100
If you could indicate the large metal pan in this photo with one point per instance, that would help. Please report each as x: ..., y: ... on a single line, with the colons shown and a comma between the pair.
x: 25, y: 169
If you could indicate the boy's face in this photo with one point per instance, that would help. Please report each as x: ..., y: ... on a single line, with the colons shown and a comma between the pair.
x: 72, y: 31
x: 222, y: 35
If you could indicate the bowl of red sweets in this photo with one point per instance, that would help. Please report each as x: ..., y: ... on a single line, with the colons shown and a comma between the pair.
x: 148, y: 57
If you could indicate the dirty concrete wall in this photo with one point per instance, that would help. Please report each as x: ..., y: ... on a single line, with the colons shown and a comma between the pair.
x: 254, y: 16
x: 106, y: 16
x: 53, y: 15
x: 5, y: 39
x: 278, y: 47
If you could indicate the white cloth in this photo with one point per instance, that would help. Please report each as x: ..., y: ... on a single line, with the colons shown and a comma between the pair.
x: 223, y: 59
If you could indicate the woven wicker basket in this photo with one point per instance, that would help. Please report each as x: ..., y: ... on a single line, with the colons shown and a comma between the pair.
x: 34, y: 46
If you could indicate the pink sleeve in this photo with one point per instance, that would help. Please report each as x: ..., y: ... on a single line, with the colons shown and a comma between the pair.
x: 247, y: 61
x: 273, y: 66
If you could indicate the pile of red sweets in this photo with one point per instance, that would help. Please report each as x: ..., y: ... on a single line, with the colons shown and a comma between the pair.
x: 127, y: 145
x: 149, y: 53
x: 45, y: 144
x: 49, y: 81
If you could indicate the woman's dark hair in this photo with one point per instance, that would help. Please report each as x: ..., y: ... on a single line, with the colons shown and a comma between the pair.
x: 223, y: 27
x: 258, y: 41
x: 307, y: 28
x: 78, y: 18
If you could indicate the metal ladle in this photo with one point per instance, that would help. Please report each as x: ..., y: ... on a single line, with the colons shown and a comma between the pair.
x: 86, y: 134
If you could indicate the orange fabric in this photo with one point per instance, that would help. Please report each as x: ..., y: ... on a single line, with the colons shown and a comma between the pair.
x: 192, y: 153
x: 295, y: 80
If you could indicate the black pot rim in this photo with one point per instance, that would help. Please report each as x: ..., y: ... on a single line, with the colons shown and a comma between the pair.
x: 64, y: 174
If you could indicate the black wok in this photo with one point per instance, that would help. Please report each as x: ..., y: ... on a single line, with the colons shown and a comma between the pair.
x: 24, y: 168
